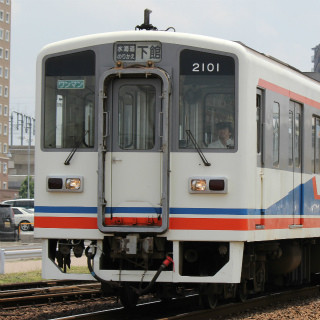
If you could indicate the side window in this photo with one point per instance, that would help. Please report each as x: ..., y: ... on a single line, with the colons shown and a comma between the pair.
x: 259, y: 101
x: 297, y: 139
x: 276, y: 133
x: 290, y: 144
x: 16, y: 211
x: 315, y: 144
x: 295, y: 134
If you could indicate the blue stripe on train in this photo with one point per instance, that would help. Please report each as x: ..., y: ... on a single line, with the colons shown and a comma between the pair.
x: 282, y: 207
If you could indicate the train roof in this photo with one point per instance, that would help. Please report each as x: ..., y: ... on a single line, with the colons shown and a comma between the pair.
x: 312, y: 75
x: 194, y: 40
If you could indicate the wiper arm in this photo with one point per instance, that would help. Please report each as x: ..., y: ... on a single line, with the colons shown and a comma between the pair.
x: 194, y: 142
x: 74, y: 149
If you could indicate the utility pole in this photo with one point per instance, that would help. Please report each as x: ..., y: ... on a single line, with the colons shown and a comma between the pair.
x: 25, y: 124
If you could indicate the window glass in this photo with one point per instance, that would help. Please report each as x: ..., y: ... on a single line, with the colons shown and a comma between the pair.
x: 259, y: 119
x: 315, y: 145
x: 136, y: 114
x: 290, y: 144
x: 276, y: 132
x: 297, y: 149
x: 207, y: 100
x: 69, y: 102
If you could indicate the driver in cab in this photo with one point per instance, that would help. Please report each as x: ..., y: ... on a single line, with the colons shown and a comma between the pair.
x: 224, y: 136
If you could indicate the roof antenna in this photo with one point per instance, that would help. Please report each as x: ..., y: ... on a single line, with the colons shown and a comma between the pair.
x: 146, y: 25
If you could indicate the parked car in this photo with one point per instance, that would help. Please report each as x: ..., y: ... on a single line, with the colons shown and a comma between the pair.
x: 8, y: 230
x: 23, y: 218
x: 21, y: 203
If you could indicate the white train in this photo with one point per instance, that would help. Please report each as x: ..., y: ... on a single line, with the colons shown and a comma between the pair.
x: 173, y: 160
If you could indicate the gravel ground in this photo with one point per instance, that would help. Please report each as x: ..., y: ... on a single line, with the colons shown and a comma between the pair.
x: 56, y: 310
x: 300, y: 309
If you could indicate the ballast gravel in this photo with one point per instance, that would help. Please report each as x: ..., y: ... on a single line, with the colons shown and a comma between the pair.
x: 299, y: 309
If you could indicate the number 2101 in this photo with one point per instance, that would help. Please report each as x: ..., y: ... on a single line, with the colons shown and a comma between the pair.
x: 205, y: 67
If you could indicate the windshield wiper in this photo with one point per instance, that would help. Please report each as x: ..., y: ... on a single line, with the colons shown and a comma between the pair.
x: 74, y: 149
x: 194, y: 142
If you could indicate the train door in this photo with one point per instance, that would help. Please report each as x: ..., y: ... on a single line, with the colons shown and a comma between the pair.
x: 260, y: 164
x: 133, y: 186
x: 295, y: 160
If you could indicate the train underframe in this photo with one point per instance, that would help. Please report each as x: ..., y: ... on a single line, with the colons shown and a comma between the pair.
x: 133, y: 265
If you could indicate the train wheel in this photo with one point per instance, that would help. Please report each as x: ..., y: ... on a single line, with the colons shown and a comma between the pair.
x: 243, y: 291
x: 208, y: 296
x: 128, y: 297
x: 209, y: 301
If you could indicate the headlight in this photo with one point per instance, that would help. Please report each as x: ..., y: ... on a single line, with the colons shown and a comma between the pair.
x: 73, y: 184
x: 65, y: 183
x: 198, y: 185
x: 207, y: 185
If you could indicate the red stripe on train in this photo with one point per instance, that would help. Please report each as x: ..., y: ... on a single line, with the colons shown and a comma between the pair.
x: 290, y: 94
x: 179, y: 223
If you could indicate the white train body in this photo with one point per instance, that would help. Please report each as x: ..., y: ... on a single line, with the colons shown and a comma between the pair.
x: 145, y: 192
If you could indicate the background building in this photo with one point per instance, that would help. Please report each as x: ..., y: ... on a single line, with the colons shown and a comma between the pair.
x: 5, y: 29
x: 316, y: 58
x: 20, y: 164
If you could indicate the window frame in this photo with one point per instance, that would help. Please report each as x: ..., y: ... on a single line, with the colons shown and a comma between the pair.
x: 176, y: 135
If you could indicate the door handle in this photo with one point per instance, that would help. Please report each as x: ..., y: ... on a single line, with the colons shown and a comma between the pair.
x: 116, y: 159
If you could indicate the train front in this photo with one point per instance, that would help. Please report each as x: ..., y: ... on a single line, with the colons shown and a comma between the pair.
x: 137, y: 161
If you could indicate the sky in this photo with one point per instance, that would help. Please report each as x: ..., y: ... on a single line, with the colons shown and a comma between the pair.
x: 285, y: 29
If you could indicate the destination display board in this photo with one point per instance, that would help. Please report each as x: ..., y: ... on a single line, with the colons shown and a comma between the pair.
x: 138, y: 51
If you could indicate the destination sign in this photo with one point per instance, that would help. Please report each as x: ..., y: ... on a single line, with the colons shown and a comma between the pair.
x: 138, y: 51
x: 70, y: 84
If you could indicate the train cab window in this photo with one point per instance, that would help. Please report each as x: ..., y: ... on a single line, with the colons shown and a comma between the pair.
x: 276, y: 133
x: 69, y: 105
x: 207, y: 100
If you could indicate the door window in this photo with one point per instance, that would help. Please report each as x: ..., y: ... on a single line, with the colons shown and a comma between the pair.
x: 136, y: 117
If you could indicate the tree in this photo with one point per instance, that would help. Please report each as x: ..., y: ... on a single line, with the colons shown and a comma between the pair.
x: 23, y: 192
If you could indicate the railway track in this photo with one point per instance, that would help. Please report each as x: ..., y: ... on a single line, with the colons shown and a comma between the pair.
x: 47, y: 292
x: 53, y: 294
x: 39, y: 284
x: 187, y: 308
